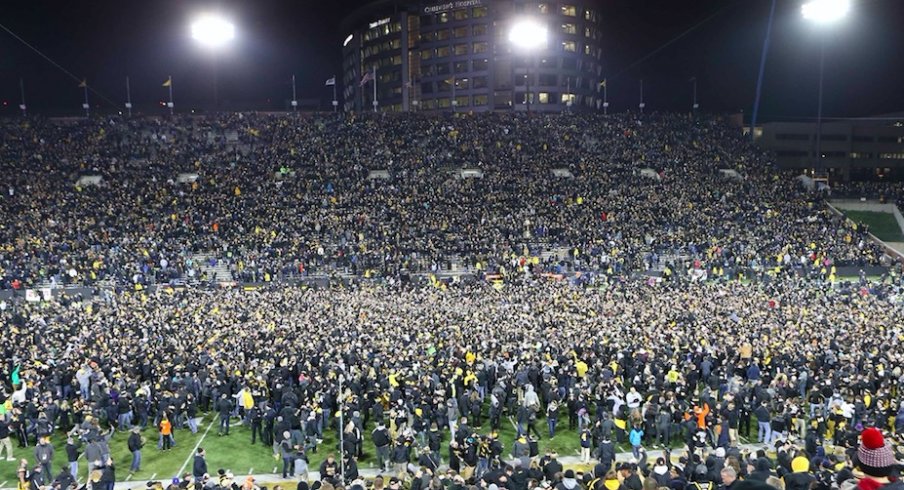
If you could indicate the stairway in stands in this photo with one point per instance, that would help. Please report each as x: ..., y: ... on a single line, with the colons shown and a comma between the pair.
x: 220, y: 272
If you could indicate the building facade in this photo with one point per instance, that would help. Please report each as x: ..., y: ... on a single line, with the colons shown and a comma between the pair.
x: 455, y: 55
x: 867, y: 149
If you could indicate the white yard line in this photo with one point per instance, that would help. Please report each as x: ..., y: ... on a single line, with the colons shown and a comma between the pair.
x: 250, y: 472
x: 3, y: 485
x: 195, y: 450
x: 129, y: 477
x: 153, y: 476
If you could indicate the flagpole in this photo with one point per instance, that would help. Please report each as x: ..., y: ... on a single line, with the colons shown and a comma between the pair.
x: 335, y: 98
x: 641, y: 105
x: 605, y: 97
x: 294, y: 98
x: 171, y: 104
x: 22, y: 92
x: 695, y: 94
x: 375, y: 88
x: 128, y: 97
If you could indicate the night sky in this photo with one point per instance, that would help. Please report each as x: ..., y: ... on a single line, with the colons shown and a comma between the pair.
x: 106, y: 40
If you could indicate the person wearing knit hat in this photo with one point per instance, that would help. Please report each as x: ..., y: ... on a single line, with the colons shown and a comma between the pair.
x: 875, y: 459
x: 800, y: 478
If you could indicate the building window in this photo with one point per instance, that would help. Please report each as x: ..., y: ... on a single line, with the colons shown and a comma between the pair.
x: 547, y: 79
x: 569, y: 28
x: 569, y: 46
x: 588, y: 15
x: 442, y: 69
x: 461, y: 14
x: 792, y: 137
x: 428, y: 104
x: 480, y: 65
x: 566, y: 98
x: 543, y: 8
x: 397, y: 60
x: 478, y: 12
x: 427, y: 87
x: 569, y: 10
x: 426, y: 54
x: 459, y: 32
x: 463, y: 100
x: 587, y: 32
x: 442, y: 35
x: 587, y: 49
x: 480, y: 47
x: 461, y: 49
x: 480, y: 100
x: 891, y: 156
x: 461, y: 83
x: 443, y: 103
x: 479, y: 82
x: 543, y: 97
x: 443, y: 51
x: 480, y: 30
x: 861, y: 154
x: 442, y: 18
x: 460, y: 67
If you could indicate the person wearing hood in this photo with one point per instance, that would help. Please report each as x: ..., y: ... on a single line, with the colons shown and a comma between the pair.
x: 568, y: 482
x: 660, y: 472
x: 701, y: 479
x: 799, y: 478
x: 762, y: 471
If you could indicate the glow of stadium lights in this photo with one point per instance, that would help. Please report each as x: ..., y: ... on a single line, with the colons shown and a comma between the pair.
x: 825, y: 11
x: 212, y: 31
x: 528, y: 34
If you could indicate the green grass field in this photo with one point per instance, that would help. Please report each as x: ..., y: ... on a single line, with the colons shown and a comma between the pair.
x: 883, y: 225
x: 235, y: 452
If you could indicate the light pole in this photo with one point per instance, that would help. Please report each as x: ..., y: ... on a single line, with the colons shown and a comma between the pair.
x: 213, y: 32
x: 823, y: 13
x: 528, y: 36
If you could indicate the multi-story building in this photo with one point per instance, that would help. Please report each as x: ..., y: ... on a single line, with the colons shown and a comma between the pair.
x: 456, y: 55
x: 852, y: 149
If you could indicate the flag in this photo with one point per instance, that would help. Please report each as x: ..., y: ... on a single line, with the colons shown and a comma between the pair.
x: 168, y: 82
x: 603, y: 83
x: 14, y: 377
x: 84, y: 84
x: 366, y: 78
x: 331, y: 81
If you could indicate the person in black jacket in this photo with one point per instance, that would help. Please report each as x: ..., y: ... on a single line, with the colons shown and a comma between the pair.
x: 135, y: 444
x: 199, y: 465
x: 224, y: 408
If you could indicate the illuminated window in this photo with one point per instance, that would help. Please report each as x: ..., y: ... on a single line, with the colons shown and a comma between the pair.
x: 426, y: 54
x: 443, y: 17
x: 480, y: 100
x: 586, y: 32
x: 569, y: 10
x: 569, y: 29
x: 442, y: 35
x: 463, y: 100
x: 569, y: 46
x: 586, y: 49
x: 461, y: 14
x: 443, y: 51
x: 460, y: 32
x: 397, y: 60
x: 478, y: 12
x: 461, y: 49
x: 480, y: 30
x: 443, y: 103
x: 566, y: 98
x: 543, y: 97
x: 480, y: 47
x: 891, y: 156
x: 428, y: 104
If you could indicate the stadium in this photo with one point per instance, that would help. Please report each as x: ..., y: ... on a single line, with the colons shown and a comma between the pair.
x: 379, y: 296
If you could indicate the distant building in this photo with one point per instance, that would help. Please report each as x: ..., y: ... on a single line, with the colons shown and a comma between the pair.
x: 853, y: 149
x: 455, y: 54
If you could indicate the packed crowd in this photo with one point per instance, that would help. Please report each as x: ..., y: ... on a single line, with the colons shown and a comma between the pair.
x: 277, y: 196
x: 430, y: 375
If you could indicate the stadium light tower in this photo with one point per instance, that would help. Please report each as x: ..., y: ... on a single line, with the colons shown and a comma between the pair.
x: 213, y: 32
x: 528, y: 36
x: 824, y: 14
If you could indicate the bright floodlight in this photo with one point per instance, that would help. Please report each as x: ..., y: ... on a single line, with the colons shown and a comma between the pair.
x: 528, y: 34
x: 825, y: 11
x: 212, y: 31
